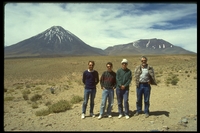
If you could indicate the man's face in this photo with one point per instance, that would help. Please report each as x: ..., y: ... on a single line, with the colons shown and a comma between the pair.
x: 144, y: 61
x: 109, y: 67
x: 90, y: 65
x: 124, y: 65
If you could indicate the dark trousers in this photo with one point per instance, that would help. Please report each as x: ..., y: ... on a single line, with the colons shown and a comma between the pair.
x: 123, y: 96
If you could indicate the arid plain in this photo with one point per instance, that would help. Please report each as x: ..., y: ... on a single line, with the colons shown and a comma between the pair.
x: 173, y: 103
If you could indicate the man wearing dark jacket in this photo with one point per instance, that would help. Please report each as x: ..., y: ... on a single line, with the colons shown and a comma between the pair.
x: 123, y: 78
x: 90, y: 79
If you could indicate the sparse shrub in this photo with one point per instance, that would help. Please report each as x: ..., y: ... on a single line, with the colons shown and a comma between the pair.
x: 35, y: 97
x: 161, y: 71
x: 52, y: 84
x: 37, y: 88
x: 42, y: 112
x: 8, y: 98
x: 11, y: 90
x: 28, y: 86
x: 19, y: 87
x: 66, y: 88
x: 42, y: 83
x: 25, y: 96
x: 34, y: 105
x: 29, y: 102
x: 48, y: 103
x: 15, y: 92
x: 26, y: 92
x: 172, y: 79
x: 186, y: 71
x: 69, y: 82
x: 20, y: 110
x: 80, y: 82
x: 157, y: 81
x: 5, y: 90
x: 76, y: 99
x: 158, y: 75
x: 60, y: 106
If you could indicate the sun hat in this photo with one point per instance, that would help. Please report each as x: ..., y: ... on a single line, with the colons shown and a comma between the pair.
x: 124, y: 61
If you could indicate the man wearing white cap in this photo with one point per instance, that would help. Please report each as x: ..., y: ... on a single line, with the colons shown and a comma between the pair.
x: 123, y: 79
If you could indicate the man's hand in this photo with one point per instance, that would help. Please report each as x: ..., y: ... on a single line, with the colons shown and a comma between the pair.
x: 122, y: 87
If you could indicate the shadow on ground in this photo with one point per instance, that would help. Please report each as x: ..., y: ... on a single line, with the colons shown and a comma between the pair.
x: 153, y: 113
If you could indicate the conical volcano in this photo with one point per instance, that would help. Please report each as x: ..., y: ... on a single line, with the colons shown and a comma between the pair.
x: 55, y: 41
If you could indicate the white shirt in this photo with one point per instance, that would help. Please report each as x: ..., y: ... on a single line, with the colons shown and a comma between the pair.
x: 144, y: 77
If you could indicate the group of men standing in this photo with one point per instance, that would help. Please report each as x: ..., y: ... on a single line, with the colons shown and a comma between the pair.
x: 120, y: 80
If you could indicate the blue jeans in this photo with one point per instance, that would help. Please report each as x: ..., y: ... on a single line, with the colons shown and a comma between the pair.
x: 88, y: 93
x: 143, y: 89
x: 107, y: 94
x: 123, y: 95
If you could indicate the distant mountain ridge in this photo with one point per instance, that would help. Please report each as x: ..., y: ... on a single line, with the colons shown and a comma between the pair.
x: 146, y: 46
x: 56, y: 41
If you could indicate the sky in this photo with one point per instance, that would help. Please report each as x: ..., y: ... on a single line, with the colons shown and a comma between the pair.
x: 102, y: 25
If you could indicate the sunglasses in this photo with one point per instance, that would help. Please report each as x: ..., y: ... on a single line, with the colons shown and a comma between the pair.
x: 91, y: 65
x: 143, y: 60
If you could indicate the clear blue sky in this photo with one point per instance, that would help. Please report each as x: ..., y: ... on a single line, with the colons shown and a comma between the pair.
x: 105, y: 24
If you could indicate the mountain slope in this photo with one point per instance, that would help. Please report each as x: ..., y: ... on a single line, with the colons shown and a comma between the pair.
x: 146, y: 46
x: 55, y: 41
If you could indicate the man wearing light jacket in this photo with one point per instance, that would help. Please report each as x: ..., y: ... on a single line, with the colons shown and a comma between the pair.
x: 144, y: 78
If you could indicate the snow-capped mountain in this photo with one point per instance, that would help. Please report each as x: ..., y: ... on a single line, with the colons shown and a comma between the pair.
x: 57, y: 41
x: 54, y: 41
x: 145, y: 47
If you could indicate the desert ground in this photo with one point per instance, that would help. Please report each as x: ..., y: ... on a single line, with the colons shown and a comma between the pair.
x: 173, y: 102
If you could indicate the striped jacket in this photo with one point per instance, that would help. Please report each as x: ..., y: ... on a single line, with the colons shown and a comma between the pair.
x: 108, y: 79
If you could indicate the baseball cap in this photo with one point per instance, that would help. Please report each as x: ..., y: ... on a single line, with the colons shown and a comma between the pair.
x: 124, y: 61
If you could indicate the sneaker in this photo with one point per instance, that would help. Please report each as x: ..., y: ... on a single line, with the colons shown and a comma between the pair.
x: 136, y: 114
x: 83, y: 116
x: 120, y: 116
x: 100, y: 116
x: 92, y: 115
x: 127, y: 117
x: 109, y: 116
x: 146, y: 115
